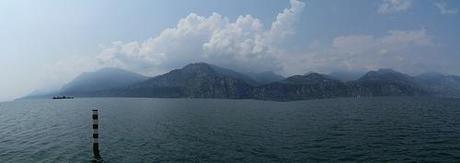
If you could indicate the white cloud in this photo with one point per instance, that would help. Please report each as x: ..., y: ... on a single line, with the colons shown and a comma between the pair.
x: 365, y: 52
x: 393, y: 6
x: 443, y: 8
x: 244, y: 44
x: 394, y: 40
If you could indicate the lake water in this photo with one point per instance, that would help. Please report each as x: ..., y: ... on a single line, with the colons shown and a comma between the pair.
x: 209, y: 130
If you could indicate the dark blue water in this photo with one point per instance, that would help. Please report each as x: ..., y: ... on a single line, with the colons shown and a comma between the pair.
x: 205, y: 130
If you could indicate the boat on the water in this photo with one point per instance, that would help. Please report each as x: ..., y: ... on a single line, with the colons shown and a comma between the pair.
x: 62, y: 97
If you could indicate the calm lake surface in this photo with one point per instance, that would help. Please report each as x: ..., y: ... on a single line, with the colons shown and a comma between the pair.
x: 209, y: 130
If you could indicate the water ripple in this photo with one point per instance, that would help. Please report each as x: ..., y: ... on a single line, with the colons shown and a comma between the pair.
x: 387, y: 129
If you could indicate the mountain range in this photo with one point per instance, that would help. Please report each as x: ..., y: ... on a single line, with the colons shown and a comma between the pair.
x: 202, y: 80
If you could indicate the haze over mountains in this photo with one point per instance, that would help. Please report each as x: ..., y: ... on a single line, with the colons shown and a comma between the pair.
x: 104, y: 79
x: 202, y: 80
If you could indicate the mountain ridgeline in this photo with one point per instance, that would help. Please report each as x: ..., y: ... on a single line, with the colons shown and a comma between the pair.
x: 104, y: 79
x: 202, y: 80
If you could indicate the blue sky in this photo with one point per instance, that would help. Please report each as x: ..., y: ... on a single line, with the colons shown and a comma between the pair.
x: 45, y: 44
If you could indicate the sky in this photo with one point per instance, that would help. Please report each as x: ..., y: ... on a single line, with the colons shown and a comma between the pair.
x: 44, y: 44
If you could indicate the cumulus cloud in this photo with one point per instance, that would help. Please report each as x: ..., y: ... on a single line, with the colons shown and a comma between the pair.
x: 393, y: 6
x: 443, y: 8
x: 243, y: 44
x: 247, y: 44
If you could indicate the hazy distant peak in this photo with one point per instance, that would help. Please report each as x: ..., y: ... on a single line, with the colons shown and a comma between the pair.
x: 436, y: 77
x: 207, y: 68
x: 346, y: 75
x: 386, y: 71
x: 102, y: 79
x: 197, y: 65
x: 265, y: 77
x: 431, y: 74
x: 308, y: 79
x: 386, y: 75
x: 111, y: 69
x: 314, y: 75
x: 198, y: 68
x: 310, y: 72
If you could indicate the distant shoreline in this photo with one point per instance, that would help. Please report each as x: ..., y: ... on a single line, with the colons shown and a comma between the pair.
x: 247, y: 99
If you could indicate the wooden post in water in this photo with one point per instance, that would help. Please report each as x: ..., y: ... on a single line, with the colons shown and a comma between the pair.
x: 97, y: 155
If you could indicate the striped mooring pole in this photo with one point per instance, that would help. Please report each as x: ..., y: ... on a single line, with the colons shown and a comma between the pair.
x: 97, y: 155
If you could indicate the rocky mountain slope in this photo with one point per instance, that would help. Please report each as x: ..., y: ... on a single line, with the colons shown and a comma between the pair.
x: 199, y: 80
x: 440, y: 84
x: 202, y: 80
x: 386, y: 82
x: 301, y: 87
